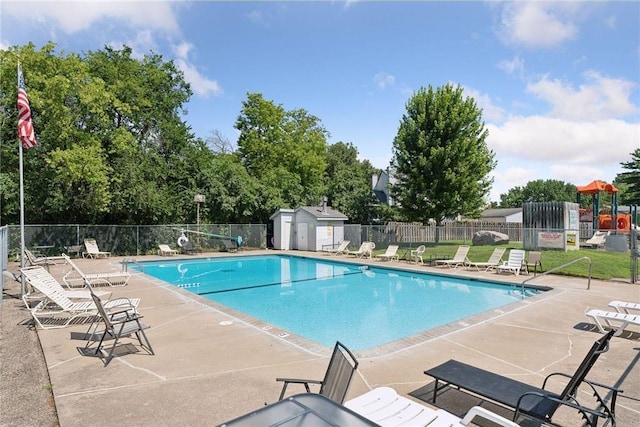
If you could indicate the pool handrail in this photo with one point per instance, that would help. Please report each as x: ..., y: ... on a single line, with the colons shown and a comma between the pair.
x: 125, y: 264
x: 558, y: 268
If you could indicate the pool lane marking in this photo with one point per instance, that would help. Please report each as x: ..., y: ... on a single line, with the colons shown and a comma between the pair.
x: 360, y: 270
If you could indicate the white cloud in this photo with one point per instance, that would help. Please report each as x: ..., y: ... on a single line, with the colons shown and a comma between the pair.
x: 601, y: 98
x: 516, y: 65
x: 508, y: 178
x: 537, y: 24
x: 582, y: 137
x: 383, y: 80
x: 141, y: 44
x: 580, y: 174
x: 201, y: 85
x: 75, y: 16
x: 538, y: 138
x: 182, y: 50
x: 490, y: 111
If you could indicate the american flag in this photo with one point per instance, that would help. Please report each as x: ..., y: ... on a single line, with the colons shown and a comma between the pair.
x: 25, y: 126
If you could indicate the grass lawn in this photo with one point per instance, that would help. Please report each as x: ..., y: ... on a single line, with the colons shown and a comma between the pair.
x: 604, y: 265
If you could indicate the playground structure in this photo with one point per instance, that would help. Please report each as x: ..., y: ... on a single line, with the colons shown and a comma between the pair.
x: 622, y: 223
x: 604, y: 221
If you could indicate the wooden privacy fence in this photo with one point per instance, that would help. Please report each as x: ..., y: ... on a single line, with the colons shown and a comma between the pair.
x: 398, y: 232
x: 402, y: 232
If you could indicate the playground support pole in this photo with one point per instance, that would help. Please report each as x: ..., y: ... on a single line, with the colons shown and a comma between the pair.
x: 633, y: 236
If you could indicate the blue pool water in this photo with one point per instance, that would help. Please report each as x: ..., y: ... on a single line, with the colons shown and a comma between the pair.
x: 325, y: 301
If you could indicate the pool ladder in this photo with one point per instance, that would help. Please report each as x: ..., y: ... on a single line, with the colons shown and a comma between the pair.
x: 558, y: 268
x: 125, y: 264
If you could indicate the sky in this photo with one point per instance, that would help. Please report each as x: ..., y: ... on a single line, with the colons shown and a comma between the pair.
x: 558, y: 82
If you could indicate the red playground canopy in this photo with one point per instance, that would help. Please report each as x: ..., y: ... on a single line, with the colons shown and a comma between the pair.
x: 595, y: 187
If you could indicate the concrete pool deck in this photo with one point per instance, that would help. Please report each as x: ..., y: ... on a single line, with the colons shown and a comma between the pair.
x: 211, y: 365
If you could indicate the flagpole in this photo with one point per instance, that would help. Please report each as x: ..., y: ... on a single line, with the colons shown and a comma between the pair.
x: 22, y: 287
x: 27, y: 137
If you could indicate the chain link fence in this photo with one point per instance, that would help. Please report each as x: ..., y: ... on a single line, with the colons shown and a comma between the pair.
x: 132, y: 240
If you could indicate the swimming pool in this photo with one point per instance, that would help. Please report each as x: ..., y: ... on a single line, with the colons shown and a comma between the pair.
x: 326, y: 300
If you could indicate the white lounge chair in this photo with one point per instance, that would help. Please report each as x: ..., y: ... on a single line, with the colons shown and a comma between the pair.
x: 55, y: 310
x: 92, y: 250
x: 494, y: 260
x: 366, y: 248
x: 624, y: 306
x: 342, y: 248
x: 384, y: 406
x: 45, y: 261
x: 76, y: 278
x: 165, y: 250
x: 614, y: 320
x: 598, y: 239
x: 460, y: 258
x: 514, y: 263
x: 31, y: 294
x: 416, y: 254
x: 390, y: 254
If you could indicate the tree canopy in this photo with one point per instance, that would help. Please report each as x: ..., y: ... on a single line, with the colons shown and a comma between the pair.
x: 630, y: 180
x: 114, y: 148
x: 441, y: 162
x: 349, y: 183
x: 285, y: 151
x: 111, y: 141
x: 540, y: 190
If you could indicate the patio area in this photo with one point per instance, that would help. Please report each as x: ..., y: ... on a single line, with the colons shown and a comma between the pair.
x: 212, y: 364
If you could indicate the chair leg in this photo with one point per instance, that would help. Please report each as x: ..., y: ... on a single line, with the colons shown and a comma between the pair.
x: 146, y: 339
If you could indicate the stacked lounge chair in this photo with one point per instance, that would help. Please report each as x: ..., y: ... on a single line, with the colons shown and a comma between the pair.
x: 57, y: 310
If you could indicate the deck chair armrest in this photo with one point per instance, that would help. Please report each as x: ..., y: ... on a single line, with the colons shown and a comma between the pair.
x: 124, y: 317
x: 288, y: 381
x: 608, y: 409
x: 120, y: 307
x: 616, y: 390
x: 298, y: 381
x: 572, y: 404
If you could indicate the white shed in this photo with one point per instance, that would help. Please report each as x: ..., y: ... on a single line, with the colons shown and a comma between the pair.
x: 308, y: 228
x: 282, y: 222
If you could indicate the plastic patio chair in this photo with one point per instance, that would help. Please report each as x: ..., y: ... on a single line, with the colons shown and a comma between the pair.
x: 417, y: 253
x: 534, y: 261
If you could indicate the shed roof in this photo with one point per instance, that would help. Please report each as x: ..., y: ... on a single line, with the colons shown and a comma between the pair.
x: 326, y: 214
x: 500, y: 213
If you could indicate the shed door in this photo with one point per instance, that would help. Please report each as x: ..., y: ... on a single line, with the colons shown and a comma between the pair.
x: 286, y: 235
x: 302, y: 231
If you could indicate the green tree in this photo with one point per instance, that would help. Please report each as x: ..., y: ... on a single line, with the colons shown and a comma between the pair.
x: 440, y: 159
x: 112, y: 143
x: 540, y: 190
x: 284, y: 150
x: 348, y: 183
x: 232, y: 194
x: 630, y: 180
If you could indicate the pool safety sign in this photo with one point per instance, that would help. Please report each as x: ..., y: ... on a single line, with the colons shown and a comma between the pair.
x: 567, y: 240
